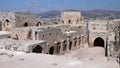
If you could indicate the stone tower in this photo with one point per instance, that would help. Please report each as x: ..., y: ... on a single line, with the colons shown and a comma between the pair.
x: 71, y: 17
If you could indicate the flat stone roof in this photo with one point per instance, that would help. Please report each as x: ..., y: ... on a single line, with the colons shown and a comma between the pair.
x: 69, y: 32
x: 9, y: 41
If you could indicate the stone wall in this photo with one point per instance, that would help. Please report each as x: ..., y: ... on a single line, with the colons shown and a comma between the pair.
x: 7, y: 19
x: 24, y: 19
x: 97, y: 28
x: 71, y: 17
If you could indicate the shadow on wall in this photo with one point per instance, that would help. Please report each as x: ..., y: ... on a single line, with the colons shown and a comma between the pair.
x: 37, y: 49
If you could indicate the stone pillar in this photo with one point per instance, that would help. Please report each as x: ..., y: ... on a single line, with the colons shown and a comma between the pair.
x: 55, y: 50
x: 68, y: 43
x: 82, y: 41
x: 78, y: 43
x: 47, y: 48
x: 37, y: 35
x: 112, y: 49
x: 73, y: 43
x: 33, y: 32
x: 108, y: 52
x: 61, y: 48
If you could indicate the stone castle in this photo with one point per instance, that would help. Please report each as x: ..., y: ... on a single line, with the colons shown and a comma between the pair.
x: 22, y: 31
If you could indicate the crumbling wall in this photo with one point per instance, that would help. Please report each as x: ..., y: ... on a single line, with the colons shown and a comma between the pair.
x: 7, y: 19
x: 25, y: 19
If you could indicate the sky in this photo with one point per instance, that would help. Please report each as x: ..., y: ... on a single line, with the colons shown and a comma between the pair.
x: 47, y: 5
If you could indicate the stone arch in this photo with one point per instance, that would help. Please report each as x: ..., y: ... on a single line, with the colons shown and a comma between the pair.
x: 99, y: 42
x: 6, y: 25
x: 37, y: 49
x: 38, y: 24
x: 25, y: 24
x: 51, y: 50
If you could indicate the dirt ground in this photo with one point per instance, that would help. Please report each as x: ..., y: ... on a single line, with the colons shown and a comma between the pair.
x: 81, y: 58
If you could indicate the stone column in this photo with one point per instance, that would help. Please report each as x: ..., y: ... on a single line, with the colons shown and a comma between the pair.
x: 68, y: 43
x: 73, y: 43
x: 37, y: 35
x: 77, y: 45
x: 47, y: 48
x: 108, y: 52
x: 82, y: 41
x: 112, y: 48
x: 33, y: 32
x: 55, y: 50
x: 61, y: 48
x: 79, y: 41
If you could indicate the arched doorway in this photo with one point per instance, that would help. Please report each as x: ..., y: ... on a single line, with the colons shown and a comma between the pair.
x: 37, y: 49
x: 26, y: 24
x: 38, y: 24
x: 99, y: 42
x: 70, y: 46
x: 51, y: 51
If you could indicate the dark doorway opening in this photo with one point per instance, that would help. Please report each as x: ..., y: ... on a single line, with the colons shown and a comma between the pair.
x: 7, y: 20
x: 99, y: 42
x: 59, y: 49
x: 51, y: 51
x: 37, y: 49
x: 75, y: 44
x: 69, y: 21
x: 64, y: 48
x: 26, y: 24
x: 29, y: 35
x: 70, y: 45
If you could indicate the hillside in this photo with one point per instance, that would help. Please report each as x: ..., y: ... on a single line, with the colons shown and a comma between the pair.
x: 87, y: 14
